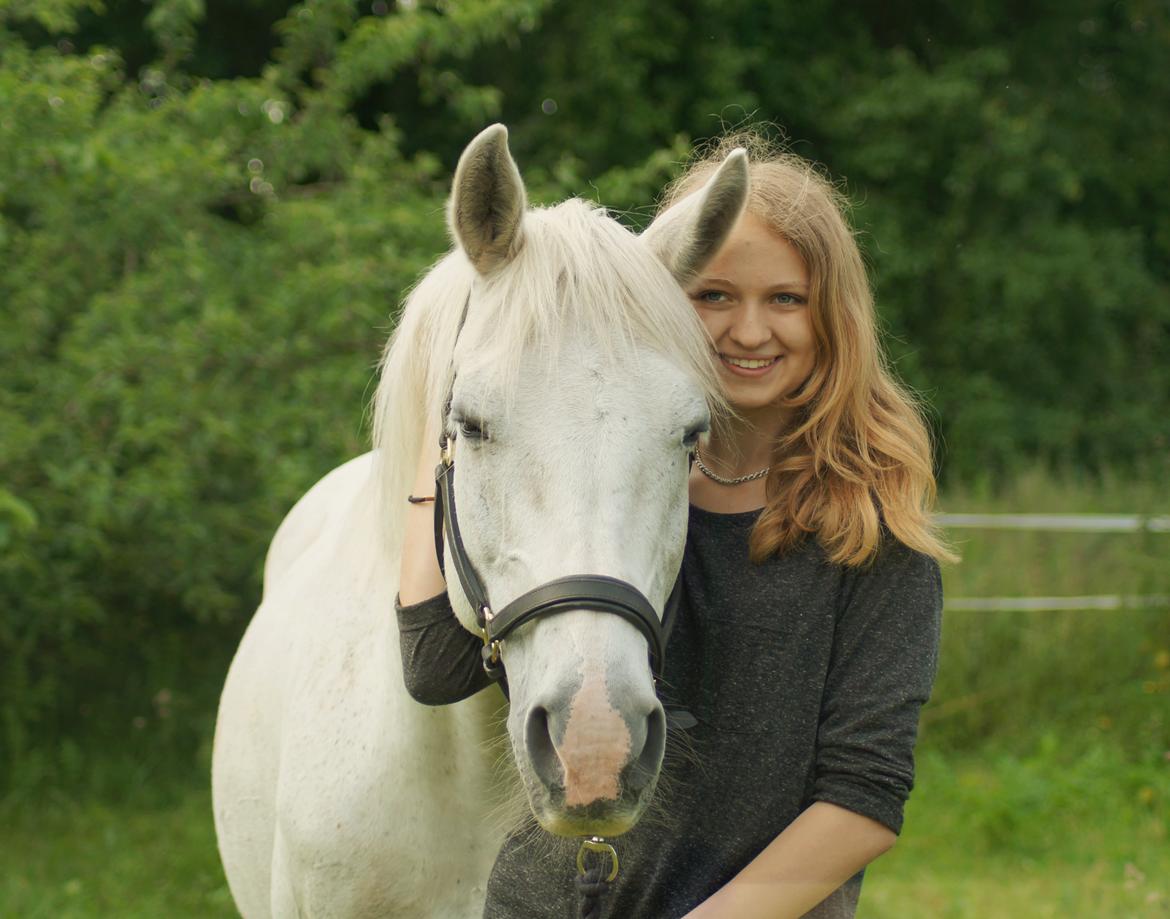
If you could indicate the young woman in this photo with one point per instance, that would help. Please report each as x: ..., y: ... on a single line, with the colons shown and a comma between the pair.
x: 809, y: 634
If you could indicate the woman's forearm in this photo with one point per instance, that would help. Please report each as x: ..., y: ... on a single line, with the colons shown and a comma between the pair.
x: 420, y: 577
x: 818, y: 852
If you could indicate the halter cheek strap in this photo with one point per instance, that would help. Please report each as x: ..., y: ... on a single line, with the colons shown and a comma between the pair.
x: 446, y: 522
x: 599, y: 593
x: 594, y: 592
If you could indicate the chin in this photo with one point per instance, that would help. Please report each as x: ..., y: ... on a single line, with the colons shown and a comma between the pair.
x: 568, y: 827
x: 753, y: 402
x: 601, y: 818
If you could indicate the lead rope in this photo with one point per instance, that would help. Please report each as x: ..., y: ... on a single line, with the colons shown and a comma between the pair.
x: 592, y: 887
x: 593, y: 883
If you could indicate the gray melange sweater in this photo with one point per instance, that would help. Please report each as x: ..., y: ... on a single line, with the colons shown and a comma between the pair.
x: 806, y: 678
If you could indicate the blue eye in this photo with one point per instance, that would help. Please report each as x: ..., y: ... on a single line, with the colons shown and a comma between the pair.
x: 710, y: 296
x: 788, y: 299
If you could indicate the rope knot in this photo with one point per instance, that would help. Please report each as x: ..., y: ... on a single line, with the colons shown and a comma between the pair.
x: 591, y: 887
x: 593, y: 883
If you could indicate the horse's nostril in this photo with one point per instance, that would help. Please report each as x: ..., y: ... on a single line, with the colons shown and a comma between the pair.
x: 647, y: 762
x: 541, y: 752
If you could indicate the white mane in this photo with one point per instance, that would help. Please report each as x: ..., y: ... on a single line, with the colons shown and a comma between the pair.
x: 578, y: 269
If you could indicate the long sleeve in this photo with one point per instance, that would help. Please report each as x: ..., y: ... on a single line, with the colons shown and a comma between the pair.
x: 885, y: 655
x: 441, y: 661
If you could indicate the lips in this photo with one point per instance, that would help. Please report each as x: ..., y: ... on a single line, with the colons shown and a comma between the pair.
x: 749, y: 366
x: 750, y: 363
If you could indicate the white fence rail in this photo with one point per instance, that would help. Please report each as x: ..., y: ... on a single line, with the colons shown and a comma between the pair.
x: 1052, y: 604
x: 1066, y: 523
x: 1069, y: 523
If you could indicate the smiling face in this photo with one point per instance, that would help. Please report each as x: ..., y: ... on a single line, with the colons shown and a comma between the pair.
x: 753, y: 299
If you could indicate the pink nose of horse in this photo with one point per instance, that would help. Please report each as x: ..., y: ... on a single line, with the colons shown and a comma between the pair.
x: 597, y: 754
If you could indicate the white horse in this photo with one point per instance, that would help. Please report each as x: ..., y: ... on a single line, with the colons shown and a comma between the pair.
x: 581, y: 378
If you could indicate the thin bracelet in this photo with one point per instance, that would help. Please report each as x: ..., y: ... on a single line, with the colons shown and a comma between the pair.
x: 425, y: 499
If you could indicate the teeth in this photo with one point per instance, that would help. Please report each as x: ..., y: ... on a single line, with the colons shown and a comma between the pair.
x: 749, y: 364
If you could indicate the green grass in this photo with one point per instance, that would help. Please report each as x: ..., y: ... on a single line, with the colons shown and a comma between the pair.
x: 1092, y: 677
x: 83, y: 860
x: 1003, y: 837
x: 1037, y: 563
x: 1044, y: 764
x: 1043, y: 782
x: 995, y: 836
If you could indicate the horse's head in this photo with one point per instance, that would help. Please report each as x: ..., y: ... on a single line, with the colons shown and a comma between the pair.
x: 582, y: 379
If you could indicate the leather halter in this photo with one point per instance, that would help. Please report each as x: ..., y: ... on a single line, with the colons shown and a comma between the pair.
x: 595, y: 592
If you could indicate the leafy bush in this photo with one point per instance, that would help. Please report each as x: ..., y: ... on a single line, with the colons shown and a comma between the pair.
x: 200, y: 284
x: 203, y: 242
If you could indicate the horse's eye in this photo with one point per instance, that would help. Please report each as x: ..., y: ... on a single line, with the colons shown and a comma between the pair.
x: 472, y: 429
x: 692, y: 434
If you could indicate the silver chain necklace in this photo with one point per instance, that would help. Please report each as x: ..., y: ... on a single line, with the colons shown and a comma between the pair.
x: 715, y: 477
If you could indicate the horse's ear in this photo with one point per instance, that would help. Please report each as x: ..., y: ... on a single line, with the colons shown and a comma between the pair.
x: 487, y: 201
x: 687, y: 236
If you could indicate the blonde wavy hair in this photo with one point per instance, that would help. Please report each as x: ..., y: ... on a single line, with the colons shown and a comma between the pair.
x: 858, y: 454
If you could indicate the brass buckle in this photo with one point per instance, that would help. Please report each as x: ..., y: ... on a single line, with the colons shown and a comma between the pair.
x: 599, y: 845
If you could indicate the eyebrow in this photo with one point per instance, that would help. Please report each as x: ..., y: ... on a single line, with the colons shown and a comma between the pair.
x: 782, y: 285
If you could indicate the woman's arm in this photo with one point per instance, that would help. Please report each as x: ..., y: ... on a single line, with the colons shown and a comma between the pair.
x: 441, y: 660
x: 885, y: 653
x: 420, y: 575
x: 818, y: 852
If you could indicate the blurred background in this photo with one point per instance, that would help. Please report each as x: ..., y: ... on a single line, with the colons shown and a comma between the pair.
x: 210, y: 210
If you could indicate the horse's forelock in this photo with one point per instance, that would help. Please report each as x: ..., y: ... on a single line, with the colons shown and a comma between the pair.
x: 579, y: 271
x: 583, y: 272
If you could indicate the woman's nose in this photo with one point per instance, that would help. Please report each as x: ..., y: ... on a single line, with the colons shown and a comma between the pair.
x: 749, y: 330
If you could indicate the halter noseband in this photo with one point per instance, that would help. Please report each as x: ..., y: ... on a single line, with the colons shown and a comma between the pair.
x: 594, y: 592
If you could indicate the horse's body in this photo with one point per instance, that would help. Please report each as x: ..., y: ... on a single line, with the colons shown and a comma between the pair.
x: 341, y: 794
x: 336, y: 794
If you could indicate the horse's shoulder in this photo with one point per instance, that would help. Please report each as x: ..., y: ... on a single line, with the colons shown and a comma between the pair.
x: 308, y: 518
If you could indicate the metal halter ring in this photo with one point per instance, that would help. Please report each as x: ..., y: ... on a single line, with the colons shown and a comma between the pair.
x: 597, y: 844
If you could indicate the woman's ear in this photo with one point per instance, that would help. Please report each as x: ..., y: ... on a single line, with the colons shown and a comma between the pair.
x: 688, y: 235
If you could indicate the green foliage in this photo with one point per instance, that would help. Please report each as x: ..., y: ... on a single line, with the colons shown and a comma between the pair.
x: 197, y: 285
x: 51, y: 15
x: 173, y: 24
x: 1009, y: 171
x: 209, y: 210
x: 1020, y: 288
